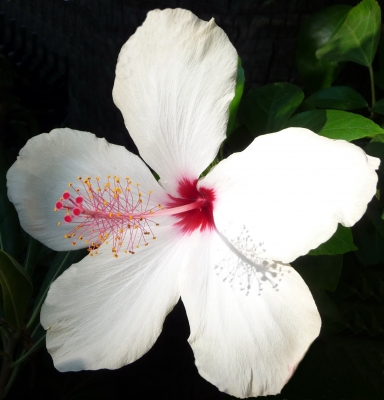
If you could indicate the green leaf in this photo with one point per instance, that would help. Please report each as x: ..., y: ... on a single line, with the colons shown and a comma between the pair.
x: 337, y: 97
x: 379, y: 79
x: 369, y: 241
x: 335, y: 124
x: 61, y: 262
x: 33, y: 253
x: 233, y: 107
x: 378, y: 107
x: 9, y: 222
x: 332, y: 320
x: 320, y: 272
x: 17, y: 290
x: 357, y: 38
x: 267, y: 108
x: 317, y: 74
x: 375, y: 148
x: 341, y: 242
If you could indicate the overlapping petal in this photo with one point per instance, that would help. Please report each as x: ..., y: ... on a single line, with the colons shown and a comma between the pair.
x: 251, y: 320
x: 289, y: 190
x: 50, y: 161
x: 105, y: 312
x: 175, y: 79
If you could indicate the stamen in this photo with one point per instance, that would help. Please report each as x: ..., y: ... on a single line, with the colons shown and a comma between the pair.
x: 121, y: 213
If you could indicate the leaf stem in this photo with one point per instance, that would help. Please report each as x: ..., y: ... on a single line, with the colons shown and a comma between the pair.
x: 372, y: 85
x: 25, y: 356
x: 6, y: 369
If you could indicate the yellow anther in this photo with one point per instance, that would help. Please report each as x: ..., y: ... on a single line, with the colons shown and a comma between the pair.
x: 137, y: 246
x: 80, y: 238
x: 146, y: 244
x: 105, y: 202
x: 131, y: 217
x: 110, y: 215
x: 59, y: 223
x: 137, y: 184
x: 106, y: 235
x: 69, y: 184
x: 115, y: 196
x: 140, y: 201
x: 73, y: 243
x: 98, y: 189
x: 128, y: 189
x: 150, y: 192
x: 86, y: 242
x: 159, y: 205
x: 118, y: 214
x: 120, y: 243
x: 91, y: 254
x: 129, y: 226
x: 154, y: 238
x: 108, y: 176
x: 113, y: 250
x: 97, y: 178
x: 79, y: 178
x: 136, y: 226
x: 115, y: 255
x: 157, y: 224
x: 55, y: 209
x: 73, y: 235
x: 121, y: 230
x: 150, y: 211
x: 140, y: 194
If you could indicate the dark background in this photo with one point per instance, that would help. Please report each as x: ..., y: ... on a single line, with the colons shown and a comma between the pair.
x: 63, y: 56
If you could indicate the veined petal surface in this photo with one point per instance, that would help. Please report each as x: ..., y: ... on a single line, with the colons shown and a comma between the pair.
x: 288, y: 191
x: 105, y: 312
x: 175, y: 79
x: 50, y: 161
x: 252, y: 320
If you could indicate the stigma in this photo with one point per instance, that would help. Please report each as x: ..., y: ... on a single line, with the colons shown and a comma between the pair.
x: 118, y: 213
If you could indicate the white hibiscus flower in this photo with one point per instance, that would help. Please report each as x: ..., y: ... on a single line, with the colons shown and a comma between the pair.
x: 223, y: 243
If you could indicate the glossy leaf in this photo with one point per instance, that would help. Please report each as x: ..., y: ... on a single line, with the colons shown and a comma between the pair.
x: 331, y: 316
x: 317, y: 74
x: 375, y: 148
x: 61, y: 262
x: 320, y: 272
x: 32, y: 255
x: 9, y: 222
x: 357, y: 38
x: 233, y: 107
x: 268, y: 108
x: 335, y: 124
x: 17, y: 290
x: 378, y: 107
x: 338, y: 98
x: 369, y: 241
x: 379, y: 79
x: 341, y: 242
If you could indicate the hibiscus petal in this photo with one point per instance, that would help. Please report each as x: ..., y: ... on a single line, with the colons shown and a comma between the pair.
x: 105, y: 312
x: 289, y: 190
x: 251, y: 320
x: 46, y: 165
x: 175, y: 79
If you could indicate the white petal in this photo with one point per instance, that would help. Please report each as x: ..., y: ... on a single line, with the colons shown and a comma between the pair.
x: 289, y: 190
x: 175, y: 79
x: 46, y: 165
x: 105, y: 312
x: 251, y: 320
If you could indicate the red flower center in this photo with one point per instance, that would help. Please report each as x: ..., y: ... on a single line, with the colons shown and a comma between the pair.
x: 197, y: 218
